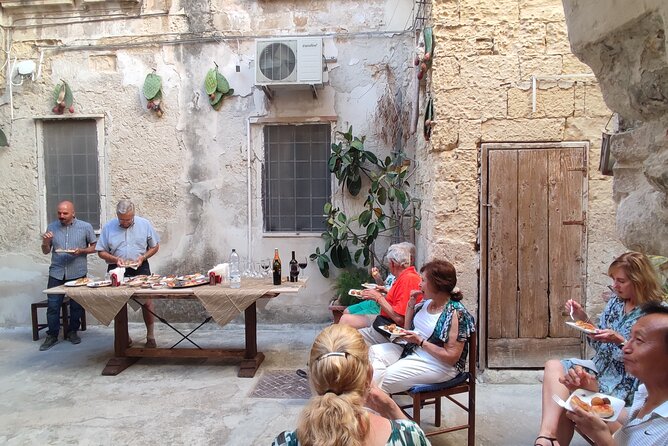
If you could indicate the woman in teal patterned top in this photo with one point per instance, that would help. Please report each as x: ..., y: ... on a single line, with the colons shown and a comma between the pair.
x: 340, y: 380
x: 634, y: 284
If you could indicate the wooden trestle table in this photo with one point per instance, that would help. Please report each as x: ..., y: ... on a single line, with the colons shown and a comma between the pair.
x: 221, y: 303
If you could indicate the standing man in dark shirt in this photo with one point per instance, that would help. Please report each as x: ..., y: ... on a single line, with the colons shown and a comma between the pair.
x: 69, y: 241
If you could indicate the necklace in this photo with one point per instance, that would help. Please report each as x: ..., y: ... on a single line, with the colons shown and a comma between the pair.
x: 436, y: 309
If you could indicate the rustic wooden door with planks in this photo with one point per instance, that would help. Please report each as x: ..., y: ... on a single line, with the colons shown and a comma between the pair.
x: 533, y: 218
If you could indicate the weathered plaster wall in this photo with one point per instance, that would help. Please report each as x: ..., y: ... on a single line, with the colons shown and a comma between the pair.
x: 187, y: 171
x: 486, y: 54
x: 624, y: 43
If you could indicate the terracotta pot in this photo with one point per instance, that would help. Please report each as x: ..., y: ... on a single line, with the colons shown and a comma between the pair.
x: 337, y: 310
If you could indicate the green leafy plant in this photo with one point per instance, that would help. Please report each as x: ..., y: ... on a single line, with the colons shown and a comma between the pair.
x: 62, y: 98
x: 388, y: 206
x: 216, y: 87
x: 350, y: 279
x: 153, y: 93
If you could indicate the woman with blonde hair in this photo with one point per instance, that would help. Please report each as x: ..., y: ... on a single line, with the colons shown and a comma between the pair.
x: 634, y: 283
x: 340, y: 379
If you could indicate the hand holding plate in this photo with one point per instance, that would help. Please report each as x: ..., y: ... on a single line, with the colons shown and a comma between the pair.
x: 371, y: 295
x: 591, y: 425
x: 607, y: 335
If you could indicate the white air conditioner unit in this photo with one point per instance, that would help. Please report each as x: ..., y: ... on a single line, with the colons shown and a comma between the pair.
x: 288, y: 61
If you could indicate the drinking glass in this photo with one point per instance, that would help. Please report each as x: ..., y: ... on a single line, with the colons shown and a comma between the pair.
x: 265, y: 264
x: 303, y: 263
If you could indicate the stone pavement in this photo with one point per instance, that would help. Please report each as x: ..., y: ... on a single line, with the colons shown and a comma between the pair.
x: 59, y: 396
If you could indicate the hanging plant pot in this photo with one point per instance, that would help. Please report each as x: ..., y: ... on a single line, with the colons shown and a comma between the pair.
x: 62, y: 98
x: 216, y: 87
x: 153, y: 93
x: 425, y: 52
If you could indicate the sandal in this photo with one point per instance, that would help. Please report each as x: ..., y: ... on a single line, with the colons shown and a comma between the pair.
x: 550, y: 439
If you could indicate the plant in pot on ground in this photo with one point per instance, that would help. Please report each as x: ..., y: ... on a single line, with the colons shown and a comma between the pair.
x: 389, y: 207
x: 348, y: 279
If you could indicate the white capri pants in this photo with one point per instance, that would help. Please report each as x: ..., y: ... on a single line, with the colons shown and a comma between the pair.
x: 395, y: 375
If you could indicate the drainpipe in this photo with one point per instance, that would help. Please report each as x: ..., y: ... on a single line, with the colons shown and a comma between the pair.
x: 249, y: 197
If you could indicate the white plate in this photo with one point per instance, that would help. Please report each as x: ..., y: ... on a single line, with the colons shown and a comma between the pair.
x: 586, y: 396
x: 353, y: 293
x: 65, y: 251
x: 99, y: 283
x: 370, y: 286
x: 402, y: 331
x: 574, y: 325
x: 74, y: 283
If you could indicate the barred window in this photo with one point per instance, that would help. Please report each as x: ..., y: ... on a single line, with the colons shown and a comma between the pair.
x: 71, y: 167
x: 296, y: 180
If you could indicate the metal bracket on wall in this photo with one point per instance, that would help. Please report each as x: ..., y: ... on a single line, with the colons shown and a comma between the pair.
x: 268, y: 92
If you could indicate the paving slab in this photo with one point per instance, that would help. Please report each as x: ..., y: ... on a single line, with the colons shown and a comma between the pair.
x: 59, y: 397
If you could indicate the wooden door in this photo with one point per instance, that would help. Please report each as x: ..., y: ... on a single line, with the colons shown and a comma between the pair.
x: 534, y: 244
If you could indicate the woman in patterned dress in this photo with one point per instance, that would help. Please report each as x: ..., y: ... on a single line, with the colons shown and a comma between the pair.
x: 634, y: 283
x: 340, y: 379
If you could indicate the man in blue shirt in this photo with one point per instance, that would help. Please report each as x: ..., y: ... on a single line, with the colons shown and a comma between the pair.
x: 69, y: 241
x: 129, y: 241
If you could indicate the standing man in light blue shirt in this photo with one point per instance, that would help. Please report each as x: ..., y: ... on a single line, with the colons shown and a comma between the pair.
x: 69, y: 241
x: 129, y: 241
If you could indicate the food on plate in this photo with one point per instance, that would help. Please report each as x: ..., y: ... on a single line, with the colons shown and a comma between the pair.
x: 82, y: 281
x: 585, y: 325
x: 599, y: 406
x: 137, y: 281
x: 576, y: 401
x: 100, y: 283
x: 394, y: 329
x: 357, y: 293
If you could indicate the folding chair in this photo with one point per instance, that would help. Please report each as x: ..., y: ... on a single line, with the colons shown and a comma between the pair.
x: 426, y: 394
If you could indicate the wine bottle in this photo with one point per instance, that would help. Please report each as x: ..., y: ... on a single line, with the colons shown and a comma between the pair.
x: 276, y: 268
x: 294, y: 268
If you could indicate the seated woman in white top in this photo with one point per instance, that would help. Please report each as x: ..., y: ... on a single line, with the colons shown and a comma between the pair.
x: 437, y: 344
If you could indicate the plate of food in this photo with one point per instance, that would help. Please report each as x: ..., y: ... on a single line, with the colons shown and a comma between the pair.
x: 583, y: 326
x: 65, y: 251
x: 394, y: 330
x: 605, y: 406
x: 356, y: 293
x: 370, y: 286
x: 187, y: 283
x: 99, y: 283
x: 79, y: 282
x: 196, y: 276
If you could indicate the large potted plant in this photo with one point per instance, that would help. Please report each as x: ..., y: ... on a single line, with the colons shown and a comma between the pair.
x: 388, y: 208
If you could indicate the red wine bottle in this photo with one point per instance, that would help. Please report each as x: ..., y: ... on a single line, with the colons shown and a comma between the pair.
x: 294, y: 268
x: 276, y: 268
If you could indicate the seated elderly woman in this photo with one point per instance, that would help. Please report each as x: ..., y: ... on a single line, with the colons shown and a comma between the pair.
x: 634, y: 283
x: 340, y: 380
x: 437, y: 344
x: 393, y: 304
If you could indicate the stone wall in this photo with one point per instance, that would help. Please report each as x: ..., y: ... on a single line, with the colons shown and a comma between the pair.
x: 195, y: 173
x: 486, y: 55
x: 624, y: 43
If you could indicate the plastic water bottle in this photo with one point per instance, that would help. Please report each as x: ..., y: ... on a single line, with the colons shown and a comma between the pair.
x: 235, y: 274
